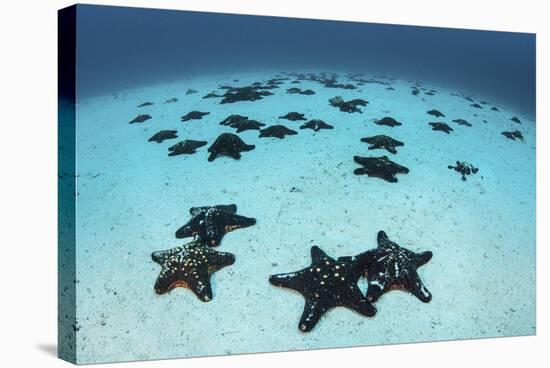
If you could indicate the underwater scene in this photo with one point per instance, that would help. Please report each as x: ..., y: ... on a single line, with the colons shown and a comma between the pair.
x: 253, y: 184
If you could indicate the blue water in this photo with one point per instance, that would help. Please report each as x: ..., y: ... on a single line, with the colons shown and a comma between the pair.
x: 127, y: 47
x: 122, y: 197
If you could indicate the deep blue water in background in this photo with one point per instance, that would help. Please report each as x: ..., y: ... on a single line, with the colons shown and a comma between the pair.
x: 122, y: 48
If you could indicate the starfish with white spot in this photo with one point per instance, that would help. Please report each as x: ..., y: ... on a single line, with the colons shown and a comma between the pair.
x: 325, y: 284
x: 190, y: 266
x: 390, y: 267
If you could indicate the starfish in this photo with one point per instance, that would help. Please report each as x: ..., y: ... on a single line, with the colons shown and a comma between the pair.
x: 441, y: 127
x: 146, y: 104
x: 293, y: 116
x: 494, y: 108
x: 316, y: 125
x: 248, y: 125
x: 189, y: 266
x: 162, y: 135
x: 415, y: 91
x: 513, y: 135
x: 140, y: 118
x: 211, y: 223
x: 515, y: 119
x: 348, y: 106
x: 307, y: 92
x: 194, y: 115
x: 387, y: 121
x: 462, y: 122
x: 229, y: 145
x: 436, y: 113
x: 390, y: 267
x: 293, y: 90
x: 187, y: 147
x: 277, y: 131
x: 383, y: 141
x: 191, y: 91
x: 171, y: 100
x: 379, y: 167
x: 325, y: 284
x: 232, y: 120
x: 464, y: 168
x: 476, y: 105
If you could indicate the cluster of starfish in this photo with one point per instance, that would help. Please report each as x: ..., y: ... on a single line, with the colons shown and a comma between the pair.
x: 191, y: 265
x: 329, y: 282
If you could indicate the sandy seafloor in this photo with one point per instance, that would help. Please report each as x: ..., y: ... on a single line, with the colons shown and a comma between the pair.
x: 132, y: 197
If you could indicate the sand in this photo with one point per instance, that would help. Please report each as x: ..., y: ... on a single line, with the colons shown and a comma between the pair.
x: 132, y: 197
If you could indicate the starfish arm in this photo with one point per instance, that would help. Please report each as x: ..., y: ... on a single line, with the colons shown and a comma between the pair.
x: 212, y: 156
x: 391, y: 149
x: 291, y: 280
x: 318, y: 255
x: 194, y: 210
x: 161, y: 256
x: 423, y: 258
x: 221, y: 259
x: 382, y: 239
x: 358, y: 303
x: 313, y: 310
x: 417, y: 288
x: 201, y: 286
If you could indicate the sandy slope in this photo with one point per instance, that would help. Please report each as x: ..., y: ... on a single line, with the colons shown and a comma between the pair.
x: 132, y: 198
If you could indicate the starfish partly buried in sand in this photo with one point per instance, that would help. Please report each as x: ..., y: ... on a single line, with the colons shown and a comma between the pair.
x: 379, y: 167
x: 189, y: 266
x: 390, y: 267
x: 211, y: 223
x: 325, y: 284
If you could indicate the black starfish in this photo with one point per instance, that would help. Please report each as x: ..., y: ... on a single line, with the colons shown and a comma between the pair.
x: 232, y: 120
x: 140, y: 118
x: 248, y: 125
x: 171, y: 100
x: 146, y: 104
x: 379, y: 167
x: 316, y: 125
x: 348, y: 106
x: 211, y: 223
x: 494, y: 108
x: 390, y: 266
x: 229, y: 145
x: 513, y: 135
x: 293, y: 90
x: 383, y: 141
x: 515, y: 119
x: 476, y: 105
x: 436, y: 113
x: 187, y: 147
x: 462, y: 122
x: 325, y: 284
x: 293, y: 116
x: 441, y: 127
x: 189, y: 266
x: 191, y: 91
x: 387, y: 121
x: 464, y: 169
x: 162, y: 135
x: 415, y: 91
x: 194, y: 115
x: 277, y: 131
x: 212, y: 95
x: 307, y: 92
